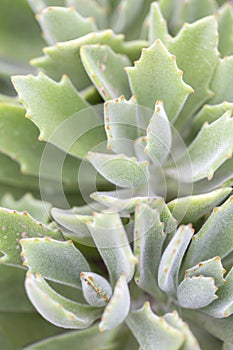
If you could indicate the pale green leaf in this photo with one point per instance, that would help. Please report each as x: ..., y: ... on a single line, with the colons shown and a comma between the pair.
x: 157, y: 25
x: 57, y: 261
x: 55, y: 308
x: 153, y: 332
x: 14, y: 226
x: 63, y: 24
x: 105, y: 68
x: 214, y: 238
x: 175, y: 321
x: 172, y: 258
x: 119, y: 169
x: 225, y: 29
x: 223, y: 306
x: 159, y: 136
x: 149, y: 237
x: 209, y: 113
x: 196, y: 292
x: 86, y: 339
x: 227, y: 346
x: 39, y: 210
x: 124, y: 122
x: 125, y: 14
x: 150, y: 82
x: 96, y: 289
x: 118, y: 307
x: 190, y: 209
x: 91, y: 8
x: 39, y: 5
x: 191, y: 59
x: 221, y: 83
x: 111, y: 240
x: 209, y: 268
x: 209, y: 150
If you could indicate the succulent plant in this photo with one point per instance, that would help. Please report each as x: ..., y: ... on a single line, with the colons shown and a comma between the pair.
x: 115, y: 189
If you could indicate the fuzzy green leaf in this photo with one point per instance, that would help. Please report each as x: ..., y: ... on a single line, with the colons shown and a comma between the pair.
x: 157, y: 25
x: 153, y: 332
x: 191, y: 59
x: 119, y: 169
x: 105, y: 68
x: 225, y: 29
x: 214, y: 238
x: 150, y: 82
x: 86, y: 339
x: 118, y: 307
x: 175, y: 321
x: 56, y: 309
x: 159, y: 136
x: 221, y: 83
x: 63, y: 24
x: 91, y: 8
x: 96, y: 289
x: 172, y: 258
x: 39, y: 210
x: 111, y: 240
x: 190, y: 209
x: 14, y: 226
x: 196, y: 292
x: 149, y: 237
x: 223, y: 306
x: 209, y: 268
x: 73, y: 226
x: 209, y: 150
x: 57, y: 261
x: 125, y: 14
x: 64, y: 58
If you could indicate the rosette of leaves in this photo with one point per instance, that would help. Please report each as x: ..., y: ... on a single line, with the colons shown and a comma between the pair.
x: 172, y: 126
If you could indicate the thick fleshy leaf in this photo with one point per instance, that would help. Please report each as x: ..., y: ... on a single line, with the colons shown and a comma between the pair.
x: 64, y: 58
x: 63, y: 24
x: 14, y: 226
x: 209, y: 113
x: 118, y: 307
x: 149, y: 237
x: 214, y: 238
x: 150, y: 82
x: 172, y: 258
x: 191, y: 59
x: 40, y: 5
x: 227, y: 346
x: 190, y: 209
x: 39, y: 210
x: 111, y: 240
x: 125, y: 121
x: 153, y: 332
x: 55, y: 308
x: 225, y: 29
x: 223, y: 306
x: 119, y: 169
x: 209, y: 268
x: 73, y: 226
x: 159, y: 135
x: 196, y: 292
x: 105, y: 68
x: 96, y: 289
x: 209, y: 150
x: 157, y: 25
x: 175, y: 321
x: 221, y: 83
x: 125, y: 14
x: 57, y: 261
x: 91, y: 8
x: 86, y: 339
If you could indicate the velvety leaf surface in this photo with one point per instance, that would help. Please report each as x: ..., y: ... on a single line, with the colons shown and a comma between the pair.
x: 153, y: 332
x: 149, y: 80
x: 106, y: 70
x: 57, y: 261
x: 225, y: 29
x: 56, y: 309
x: 118, y: 307
x: 14, y: 226
x: 157, y: 25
